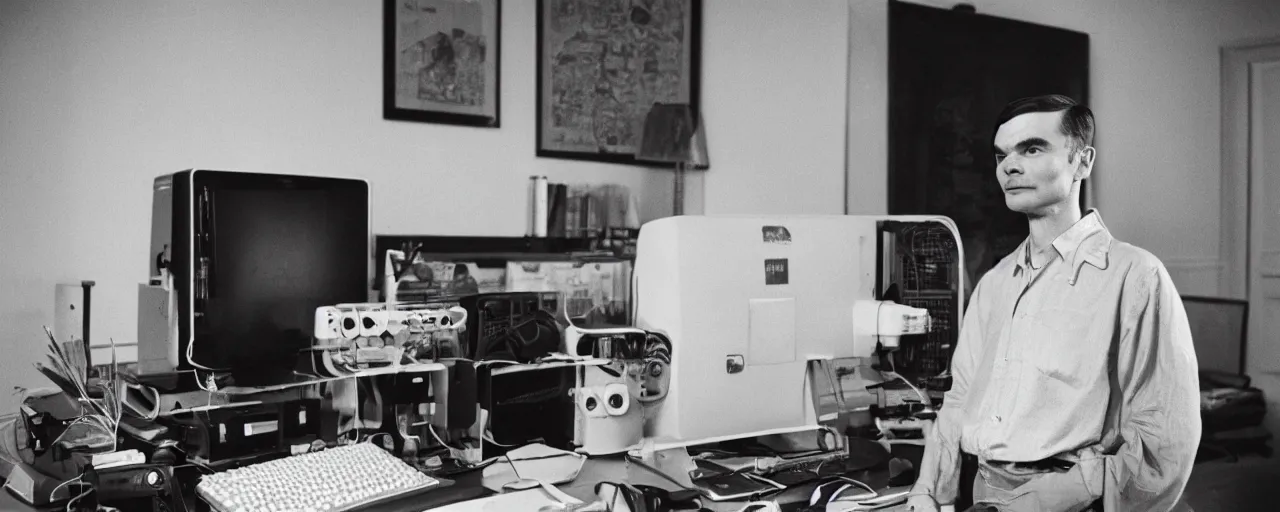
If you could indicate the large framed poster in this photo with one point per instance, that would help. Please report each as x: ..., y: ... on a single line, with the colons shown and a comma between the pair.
x: 950, y: 74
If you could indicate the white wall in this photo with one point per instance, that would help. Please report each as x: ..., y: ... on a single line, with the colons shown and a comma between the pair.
x: 96, y: 99
x: 774, y: 78
x: 1154, y: 76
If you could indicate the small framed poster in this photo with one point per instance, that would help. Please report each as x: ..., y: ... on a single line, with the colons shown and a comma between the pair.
x: 441, y: 61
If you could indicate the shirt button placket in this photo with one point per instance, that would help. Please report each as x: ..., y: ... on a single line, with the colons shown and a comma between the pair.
x: 1000, y: 379
x: 1030, y: 300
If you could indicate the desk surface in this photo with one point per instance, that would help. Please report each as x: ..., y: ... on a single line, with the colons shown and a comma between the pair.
x: 596, y: 470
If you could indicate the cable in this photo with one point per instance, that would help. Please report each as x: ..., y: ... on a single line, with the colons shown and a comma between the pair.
x: 77, y: 497
x: 559, y: 455
x: 894, y: 375
x: 111, y: 393
x: 634, y: 296
x: 488, y: 436
x: 408, y: 262
x: 191, y: 344
x: 197, y: 366
x: 193, y: 464
x: 498, y: 361
x: 77, y: 479
x: 636, y: 460
x: 190, y: 461
x: 816, y: 495
x: 431, y: 428
x: 617, y: 488
x: 513, y: 465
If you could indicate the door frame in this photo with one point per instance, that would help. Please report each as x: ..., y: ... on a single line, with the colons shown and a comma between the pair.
x: 1233, y: 246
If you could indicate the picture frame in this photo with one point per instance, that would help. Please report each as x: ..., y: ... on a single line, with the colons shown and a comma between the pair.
x: 578, y: 38
x: 442, y: 61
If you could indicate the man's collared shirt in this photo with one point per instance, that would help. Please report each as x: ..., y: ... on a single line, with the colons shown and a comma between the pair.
x: 1080, y: 350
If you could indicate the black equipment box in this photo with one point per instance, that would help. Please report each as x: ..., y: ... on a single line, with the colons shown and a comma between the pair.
x: 237, y: 433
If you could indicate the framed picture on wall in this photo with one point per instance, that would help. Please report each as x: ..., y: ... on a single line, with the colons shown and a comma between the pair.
x: 949, y: 77
x: 441, y: 61
x: 601, y: 64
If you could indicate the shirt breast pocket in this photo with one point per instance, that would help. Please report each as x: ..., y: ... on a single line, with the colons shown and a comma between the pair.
x: 1066, y: 350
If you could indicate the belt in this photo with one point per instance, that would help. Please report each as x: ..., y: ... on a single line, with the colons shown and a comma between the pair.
x: 1047, y: 464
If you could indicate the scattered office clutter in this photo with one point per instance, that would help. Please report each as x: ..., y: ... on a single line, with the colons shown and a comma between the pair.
x: 517, y: 326
x: 732, y: 357
x: 60, y: 433
x: 580, y: 210
x: 594, y: 280
x: 368, y: 335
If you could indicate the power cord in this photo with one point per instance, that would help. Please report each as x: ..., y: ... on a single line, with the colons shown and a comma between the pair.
x: 893, y: 374
x: 74, y: 499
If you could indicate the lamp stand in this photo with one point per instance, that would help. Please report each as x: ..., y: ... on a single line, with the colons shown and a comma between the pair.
x: 677, y: 191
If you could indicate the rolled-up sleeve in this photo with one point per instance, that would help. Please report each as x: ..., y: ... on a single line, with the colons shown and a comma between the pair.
x: 939, y: 472
x: 1158, y: 380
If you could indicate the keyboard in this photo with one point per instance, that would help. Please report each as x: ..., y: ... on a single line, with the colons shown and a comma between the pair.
x: 336, y: 479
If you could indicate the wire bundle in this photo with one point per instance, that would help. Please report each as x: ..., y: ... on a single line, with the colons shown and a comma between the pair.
x: 70, y: 375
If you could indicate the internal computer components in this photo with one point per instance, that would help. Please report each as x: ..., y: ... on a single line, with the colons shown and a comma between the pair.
x: 920, y: 268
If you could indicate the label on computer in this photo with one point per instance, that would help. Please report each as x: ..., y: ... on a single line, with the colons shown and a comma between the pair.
x: 776, y: 271
x: 776, y: 234
x: 260, y: 427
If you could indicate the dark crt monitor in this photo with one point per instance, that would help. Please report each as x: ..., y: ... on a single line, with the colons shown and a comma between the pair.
x: 278, y: 247
x: 1219, y: 327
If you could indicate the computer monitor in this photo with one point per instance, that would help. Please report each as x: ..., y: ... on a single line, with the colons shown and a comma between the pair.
x: 251, y: 256
x: 1218, y: 329
x: 747, y: 302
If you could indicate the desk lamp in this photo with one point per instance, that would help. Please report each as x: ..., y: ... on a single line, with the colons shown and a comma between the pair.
x: 673, y: 133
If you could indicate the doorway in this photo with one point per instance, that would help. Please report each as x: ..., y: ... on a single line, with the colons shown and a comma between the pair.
x: 1250, y: 242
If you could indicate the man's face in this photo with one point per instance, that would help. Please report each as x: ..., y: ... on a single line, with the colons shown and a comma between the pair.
x: 1035, y: 165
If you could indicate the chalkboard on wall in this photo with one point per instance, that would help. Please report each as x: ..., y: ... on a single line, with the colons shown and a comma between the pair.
x: 950, y: 73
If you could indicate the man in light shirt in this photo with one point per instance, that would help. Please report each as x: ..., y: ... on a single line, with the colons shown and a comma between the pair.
x: 1074, y: 382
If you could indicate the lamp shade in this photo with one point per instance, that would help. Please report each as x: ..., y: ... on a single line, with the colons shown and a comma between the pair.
x: 673, y: 134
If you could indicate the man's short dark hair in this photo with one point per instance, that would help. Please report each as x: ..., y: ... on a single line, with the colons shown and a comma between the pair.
x: 1077, y: 119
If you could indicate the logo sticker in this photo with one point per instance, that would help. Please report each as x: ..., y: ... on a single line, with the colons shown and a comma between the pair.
x: 734, y: 363
x: 775, y: 235
x: 776, y: 271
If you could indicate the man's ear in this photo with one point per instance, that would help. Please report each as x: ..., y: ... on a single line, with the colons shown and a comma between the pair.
x: 1085, y: 166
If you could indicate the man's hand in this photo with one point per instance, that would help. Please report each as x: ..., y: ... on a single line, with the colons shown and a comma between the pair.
x: 921, y: 503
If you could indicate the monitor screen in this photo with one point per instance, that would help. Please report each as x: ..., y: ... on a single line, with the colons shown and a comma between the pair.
x: 277, y: 251
x: 1217, y: 331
